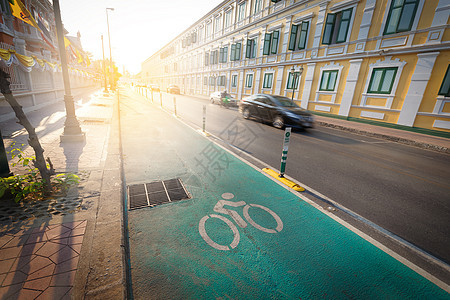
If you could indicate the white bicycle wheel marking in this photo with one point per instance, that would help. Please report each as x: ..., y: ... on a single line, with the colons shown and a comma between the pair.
x: 274, y: 215
x: 209, y: 241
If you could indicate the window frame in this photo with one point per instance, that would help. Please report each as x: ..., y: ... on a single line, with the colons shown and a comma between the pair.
x: 446, y: 77
x: 250, y: 51
x: 336, y: 25
x: 290, y: 81
x: 297, y: 34
x: 241, y: 11
x: 271, y: 42
x: 223, y: 54
x: 249, y: 80
x: 227, y: 19
x: 327, y: 89
x: 402, y: 6
x: 235, y: 52
x: 267, y: 76
x: 261, y: 4
x: 381, y: 83
x: 234, y: 79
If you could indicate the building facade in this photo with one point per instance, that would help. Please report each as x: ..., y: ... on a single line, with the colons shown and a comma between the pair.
x: 374, y: 60
x: 31, y: 58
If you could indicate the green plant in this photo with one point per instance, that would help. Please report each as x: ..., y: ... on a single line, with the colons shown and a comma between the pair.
x: 30, y: 186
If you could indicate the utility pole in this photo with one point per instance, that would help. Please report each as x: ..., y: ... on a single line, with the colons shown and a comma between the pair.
x: 72, y: 130
x: 104, y: 67
x: 111, y: 82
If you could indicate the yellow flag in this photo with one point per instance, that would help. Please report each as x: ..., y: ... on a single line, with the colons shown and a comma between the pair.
x: 66, y: 42
x: 19, y: 11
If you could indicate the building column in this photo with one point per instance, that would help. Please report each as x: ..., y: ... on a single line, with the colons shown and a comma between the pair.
x: 287, y: 33
x: 349, y: 91
x: 319, y: 27
x: 279, y: 81
x: 309, y: 77
x: 256, y: 88
x: 241, y: 84
x: 419, y: 82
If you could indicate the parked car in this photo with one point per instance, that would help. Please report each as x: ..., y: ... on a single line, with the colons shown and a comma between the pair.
x: 154, y: 88
x: 173, y: 89
x: 278, y: 110
x: 216, y: 97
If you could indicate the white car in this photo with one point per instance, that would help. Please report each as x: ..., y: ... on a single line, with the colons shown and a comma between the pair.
x: 216, y: 98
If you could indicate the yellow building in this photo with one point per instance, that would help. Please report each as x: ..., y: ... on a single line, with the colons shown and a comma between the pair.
x: 384, y: 61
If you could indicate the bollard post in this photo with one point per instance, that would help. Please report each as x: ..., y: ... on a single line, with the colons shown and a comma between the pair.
x: 152, y: 95
x: 146, y: 92
x: 204, y: 118
x: 4, y: 167
x: 287, y: 135
x: 160, y: 98
x: 175, y: 105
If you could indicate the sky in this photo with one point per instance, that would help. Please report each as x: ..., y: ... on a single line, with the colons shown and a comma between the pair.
x: 138, y: 28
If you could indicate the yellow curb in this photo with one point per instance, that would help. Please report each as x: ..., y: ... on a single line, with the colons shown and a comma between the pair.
x: 286, y: 181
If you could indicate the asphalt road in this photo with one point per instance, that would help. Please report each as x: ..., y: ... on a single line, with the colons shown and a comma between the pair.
x: 405, y: 190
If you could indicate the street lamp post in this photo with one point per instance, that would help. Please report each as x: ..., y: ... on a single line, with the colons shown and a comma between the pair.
x: 104, y: 67
x: 110, y: 55
x: 72, y: 131
x: 294, y: 79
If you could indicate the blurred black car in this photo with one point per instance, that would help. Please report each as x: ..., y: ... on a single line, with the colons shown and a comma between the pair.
x: 173, y: 89
x: 278, y: 110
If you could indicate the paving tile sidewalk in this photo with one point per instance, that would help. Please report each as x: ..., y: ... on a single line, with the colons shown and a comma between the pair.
x: 67, y: 247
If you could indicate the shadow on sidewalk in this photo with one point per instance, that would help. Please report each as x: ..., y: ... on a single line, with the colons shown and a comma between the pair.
x: 45, y: 256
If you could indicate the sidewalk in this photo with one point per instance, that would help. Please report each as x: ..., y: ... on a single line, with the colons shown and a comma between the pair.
x: 69, y: 247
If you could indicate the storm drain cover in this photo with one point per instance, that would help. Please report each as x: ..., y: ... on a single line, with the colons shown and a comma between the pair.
x: 155, y: 193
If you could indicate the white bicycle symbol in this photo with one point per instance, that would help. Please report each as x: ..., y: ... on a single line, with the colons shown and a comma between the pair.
x: 219, y: 208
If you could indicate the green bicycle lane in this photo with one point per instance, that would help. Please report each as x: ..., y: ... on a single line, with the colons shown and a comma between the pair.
x: 292, y: 250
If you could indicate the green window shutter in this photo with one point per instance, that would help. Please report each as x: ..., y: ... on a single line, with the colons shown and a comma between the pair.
x: 382, y: 80
x: 238, y: 51
x: 289, y: 83
x: 225, y: 54
x: 303, y: 35
x: 233, y: 52
x: 249, y: 81
x: 248, y: 49
x: 267, y: 38
x: 324, y: 81
x: 332, y: 80
x: 274, y: 46
x: 401, y: 16
x: 206, y: 58
x: 293, y: 37
x: 329, y: 27
x: 344, y: 25
x: 328, y: 81
x: 267, y: 80
x: 445, y: 86
x: 408, y: 14
x: 221, y: 55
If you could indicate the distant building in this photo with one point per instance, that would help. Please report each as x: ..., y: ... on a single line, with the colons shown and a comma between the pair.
x: 378, y: 61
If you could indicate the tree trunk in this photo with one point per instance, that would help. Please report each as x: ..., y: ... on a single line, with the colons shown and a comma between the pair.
x: 33, y: 139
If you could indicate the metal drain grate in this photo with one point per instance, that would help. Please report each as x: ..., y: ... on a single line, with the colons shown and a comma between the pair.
x: 156, y: 193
